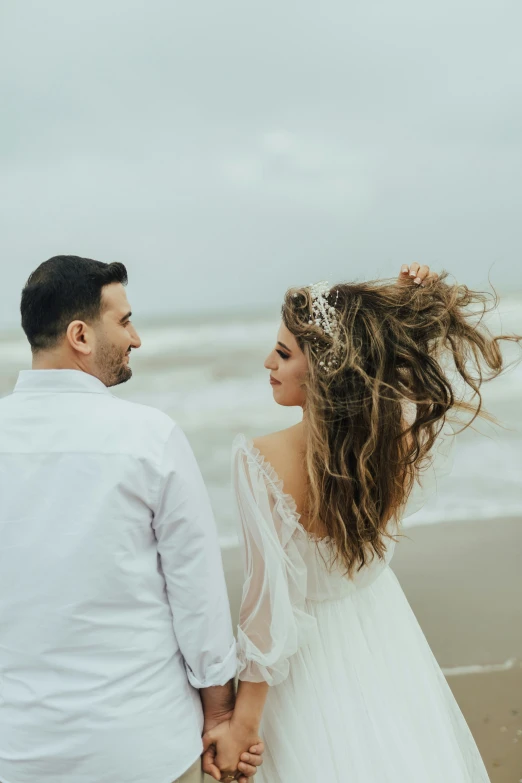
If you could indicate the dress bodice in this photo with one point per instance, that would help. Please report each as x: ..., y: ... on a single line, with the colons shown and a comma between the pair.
x: 286, y: 568
x: 325, y: 580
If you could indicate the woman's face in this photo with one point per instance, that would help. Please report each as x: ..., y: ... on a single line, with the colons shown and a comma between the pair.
x: 288, y: 366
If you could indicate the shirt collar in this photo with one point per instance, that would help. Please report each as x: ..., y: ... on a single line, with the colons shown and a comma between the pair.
x: 59, y: 381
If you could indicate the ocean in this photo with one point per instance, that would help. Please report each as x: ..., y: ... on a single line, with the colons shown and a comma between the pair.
x: 207, y: 373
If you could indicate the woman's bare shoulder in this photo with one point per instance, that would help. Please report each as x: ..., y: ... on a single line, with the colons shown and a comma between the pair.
x: 283, y: 439
x: 283, y: 450
x: 268, y: 441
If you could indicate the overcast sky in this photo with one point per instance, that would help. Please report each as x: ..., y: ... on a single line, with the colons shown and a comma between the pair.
x: 225, y: 150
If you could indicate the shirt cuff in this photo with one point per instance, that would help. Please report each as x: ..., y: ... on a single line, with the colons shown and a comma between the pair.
x: 217, y: 674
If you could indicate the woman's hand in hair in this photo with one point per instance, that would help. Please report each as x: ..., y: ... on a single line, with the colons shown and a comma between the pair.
x: 416, y: 274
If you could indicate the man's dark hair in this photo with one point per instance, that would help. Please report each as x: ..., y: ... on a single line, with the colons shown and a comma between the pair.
x: 61, y: 290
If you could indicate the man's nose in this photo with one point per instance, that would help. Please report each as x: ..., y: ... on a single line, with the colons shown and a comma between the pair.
x: 136, y: 340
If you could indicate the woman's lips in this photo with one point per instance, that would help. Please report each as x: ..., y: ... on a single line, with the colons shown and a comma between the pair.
x: 273, y: 382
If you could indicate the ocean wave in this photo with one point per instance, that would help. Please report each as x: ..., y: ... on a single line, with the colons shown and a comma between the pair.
x: 209, y: 377
x: 506, y: 666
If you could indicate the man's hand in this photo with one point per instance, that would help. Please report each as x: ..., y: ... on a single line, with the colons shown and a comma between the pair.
x: 417, y: 274
x: 223, y: 756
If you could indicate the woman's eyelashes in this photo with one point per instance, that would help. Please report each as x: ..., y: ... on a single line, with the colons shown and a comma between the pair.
x: 283, y: 355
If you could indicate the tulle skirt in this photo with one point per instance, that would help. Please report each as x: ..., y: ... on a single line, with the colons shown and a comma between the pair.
x: 366, y: 702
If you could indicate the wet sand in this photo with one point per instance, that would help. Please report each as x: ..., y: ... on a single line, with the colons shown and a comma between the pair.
x: 464, y: 583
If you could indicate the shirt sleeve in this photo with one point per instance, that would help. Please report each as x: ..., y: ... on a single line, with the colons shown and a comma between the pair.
x: 191, y: 561
x: 274, y: 622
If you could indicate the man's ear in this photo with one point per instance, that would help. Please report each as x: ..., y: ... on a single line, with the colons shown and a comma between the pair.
x: 79, y: 336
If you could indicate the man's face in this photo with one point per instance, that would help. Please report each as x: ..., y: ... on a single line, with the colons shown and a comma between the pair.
x: 115, y: 337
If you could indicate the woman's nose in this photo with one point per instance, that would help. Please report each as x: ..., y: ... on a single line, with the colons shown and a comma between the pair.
x: 270, y: 363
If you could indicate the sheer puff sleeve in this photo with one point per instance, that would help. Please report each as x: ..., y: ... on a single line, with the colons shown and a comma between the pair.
x: 273, y: 621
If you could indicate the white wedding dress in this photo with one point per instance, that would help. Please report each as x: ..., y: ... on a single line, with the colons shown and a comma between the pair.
x: 356, y: 696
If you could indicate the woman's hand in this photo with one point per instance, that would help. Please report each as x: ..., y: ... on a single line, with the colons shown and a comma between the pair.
x: 417, y: 274
x: 224, y: 752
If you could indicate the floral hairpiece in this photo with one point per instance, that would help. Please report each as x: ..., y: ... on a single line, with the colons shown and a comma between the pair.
x: 324, y: 314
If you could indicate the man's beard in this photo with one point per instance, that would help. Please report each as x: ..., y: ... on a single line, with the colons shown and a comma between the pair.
x: 111, y: 365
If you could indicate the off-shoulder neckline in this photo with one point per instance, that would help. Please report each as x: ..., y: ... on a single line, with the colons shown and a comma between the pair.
x: 272, y: 475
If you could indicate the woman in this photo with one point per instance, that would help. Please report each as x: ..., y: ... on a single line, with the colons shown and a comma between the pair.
x: 335, y: 672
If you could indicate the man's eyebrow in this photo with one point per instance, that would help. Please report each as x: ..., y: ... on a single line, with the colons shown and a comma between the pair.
x: 284, y: 346
x: 125, y: 317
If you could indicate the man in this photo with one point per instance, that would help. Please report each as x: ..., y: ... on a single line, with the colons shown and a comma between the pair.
x: 116, y: 644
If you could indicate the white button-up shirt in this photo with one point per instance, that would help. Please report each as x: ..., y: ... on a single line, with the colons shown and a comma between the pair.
x: 113, y: 607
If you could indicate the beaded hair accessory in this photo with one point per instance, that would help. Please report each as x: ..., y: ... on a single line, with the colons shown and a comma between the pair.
x: 323, y: 313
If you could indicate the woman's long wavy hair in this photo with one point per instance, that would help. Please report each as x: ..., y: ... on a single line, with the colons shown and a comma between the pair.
x: 394, y: 344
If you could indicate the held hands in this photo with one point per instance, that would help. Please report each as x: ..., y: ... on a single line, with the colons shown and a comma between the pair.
x: 224, y: 757
x: 416, y: 274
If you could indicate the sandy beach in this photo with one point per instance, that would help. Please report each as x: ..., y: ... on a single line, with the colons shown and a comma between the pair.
x: 464, y: 583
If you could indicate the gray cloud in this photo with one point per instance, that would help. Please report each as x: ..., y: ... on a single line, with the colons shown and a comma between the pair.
x: 227, y: 150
